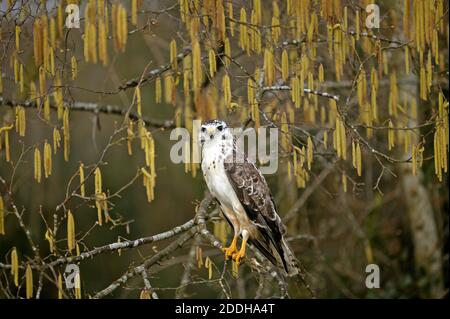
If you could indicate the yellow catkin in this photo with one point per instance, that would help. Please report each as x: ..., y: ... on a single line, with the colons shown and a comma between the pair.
x: 74, y: 67
x: 60, y: 21
x: 158, y: 90
x: 46, y: 109
x: 100, y: 205
x: 37, y: 165
x: 53, y: 32
x: 42, y: 81
x: 81, y: 173
x: 186, y: 77
x: 294, y: 162
x: 391, y: 135
x: 70, y: 232
x: 437, y: 156
x: 309, y: 155
x: 358, y: 159
x: 199, y: 256
x: 45, y: 42
x: 15, y: 266
x: 92, y: 43
x: 339, y: 139
x: 149, y: 176
x: 123, y: 27
x: 47, y: 159
x: 227, y: 51
x: 243, y: 33
x: 114, y: 25
x: 354, y: 154
x: 173, y: 55
x: 393, y: 95
x: 29, y: 282
x: 138, y: 100
x: 269, y: 66
x: 226, y: 87
x: 2, y: 216
x: 212, y: 62
x: 357, y: 24
x: 102, y: 44
x: 276, y: 29
x: 343, y: 141
x: 60, y: 286
x: 52, y: 62
x: 56, y: 140
x: 361, y: 88
x: 373, y: 102
x: 208, y: 265
x: 18, y: 31
x: 130, y: 136
x: 98, y: 180
x: 20, y: 120
x: 169, y: 89
x: 66, y: 134
x: 77, y: 285
x: 321, y: 74
x: 37, y: 42
x: 16, y: 69
x: 250, y: 92
x: 119, y: 27
x: 344, y: 182
x: 34, y: 94
x: 51, y: 240
x: 196, y: 66
x: 429, y: 71
x: 231, y: 18
x: 7, y: 147
x: 58, y: 96
x: 284, y: 65
x: 21, y: 79
x: 134, y: 8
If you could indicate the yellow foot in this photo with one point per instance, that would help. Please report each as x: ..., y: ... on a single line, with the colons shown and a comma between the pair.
x: 231, y: 250
x: 238, y: 256
x: 241, y: 253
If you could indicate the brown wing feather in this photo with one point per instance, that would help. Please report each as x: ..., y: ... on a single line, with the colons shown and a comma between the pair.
x: 254, y: 194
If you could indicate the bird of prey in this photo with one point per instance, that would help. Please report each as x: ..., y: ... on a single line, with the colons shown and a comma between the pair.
x: 244, y: 198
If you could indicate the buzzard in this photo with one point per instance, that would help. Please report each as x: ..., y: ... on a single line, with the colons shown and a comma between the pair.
x: 244, y: 198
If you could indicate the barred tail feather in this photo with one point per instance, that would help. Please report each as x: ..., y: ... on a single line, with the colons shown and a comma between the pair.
x: 289, y: 260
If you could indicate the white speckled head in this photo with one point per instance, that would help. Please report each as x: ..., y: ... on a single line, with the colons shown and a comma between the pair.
x: 214, y: 131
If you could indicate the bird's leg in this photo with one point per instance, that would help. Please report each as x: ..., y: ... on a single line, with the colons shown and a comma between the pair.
x: 241, y: 253
x: 231, y: 250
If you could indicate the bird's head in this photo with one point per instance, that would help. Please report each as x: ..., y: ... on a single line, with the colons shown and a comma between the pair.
x: 214, y: 131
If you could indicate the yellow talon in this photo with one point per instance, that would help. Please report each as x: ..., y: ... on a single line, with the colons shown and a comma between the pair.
x: 231, y: 250
x: 241, y: 253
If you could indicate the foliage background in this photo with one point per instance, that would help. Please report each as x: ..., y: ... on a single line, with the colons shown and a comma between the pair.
x: 338, y: 233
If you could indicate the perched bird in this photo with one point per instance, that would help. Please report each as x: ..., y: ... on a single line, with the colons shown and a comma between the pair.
x: 244, y: 198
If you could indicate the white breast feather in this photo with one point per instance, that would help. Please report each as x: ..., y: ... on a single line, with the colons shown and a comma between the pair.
x: 217, y: 179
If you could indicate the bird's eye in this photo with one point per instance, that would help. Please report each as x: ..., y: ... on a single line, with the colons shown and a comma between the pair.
x: 220, y: 127
x: 203, y: 129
